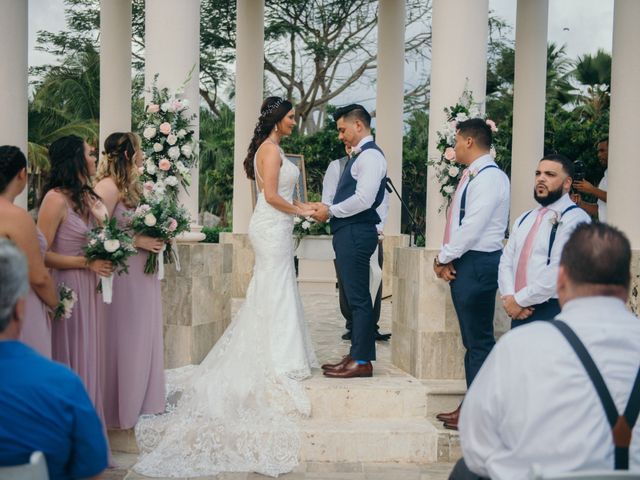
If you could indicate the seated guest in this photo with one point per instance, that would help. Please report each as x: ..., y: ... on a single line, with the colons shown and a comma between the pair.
x: 529, y: 264
x: 533, y: 401
x: 43, y: 405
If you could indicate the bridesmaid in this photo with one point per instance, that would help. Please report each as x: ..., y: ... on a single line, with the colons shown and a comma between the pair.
x: 17, y: 225
x: 69, y: 209
x: 135, y: 366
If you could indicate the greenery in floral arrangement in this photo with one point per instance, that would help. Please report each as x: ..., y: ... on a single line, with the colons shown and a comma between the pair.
x: 109, y: 242
x: 212, y: 234
x: 167, y: 140
x: 448, y: 172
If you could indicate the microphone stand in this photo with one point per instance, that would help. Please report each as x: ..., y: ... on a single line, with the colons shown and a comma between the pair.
x: 415, y: 232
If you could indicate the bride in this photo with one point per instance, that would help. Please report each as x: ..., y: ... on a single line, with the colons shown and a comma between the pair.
x: 237, y: 410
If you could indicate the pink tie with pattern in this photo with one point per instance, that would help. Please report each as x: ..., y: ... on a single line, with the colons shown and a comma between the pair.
x: 447, y: 228
x: 525, y: 253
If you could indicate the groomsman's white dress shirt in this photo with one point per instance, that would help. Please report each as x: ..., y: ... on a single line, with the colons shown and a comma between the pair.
x: 533, y: 402
x: 602, y: 206
x: 368, y: 170
x: 486, y: 212
x: 541, y: 278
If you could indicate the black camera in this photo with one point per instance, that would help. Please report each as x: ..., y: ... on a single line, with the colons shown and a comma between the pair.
x: 579, y: 171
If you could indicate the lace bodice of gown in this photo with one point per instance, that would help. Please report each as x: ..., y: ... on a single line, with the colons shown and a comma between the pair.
x: 237, y: 410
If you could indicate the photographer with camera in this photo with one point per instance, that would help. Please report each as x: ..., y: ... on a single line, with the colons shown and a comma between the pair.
x: 598, y: 209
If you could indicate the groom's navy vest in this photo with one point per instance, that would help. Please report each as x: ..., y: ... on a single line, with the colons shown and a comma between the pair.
x: 347, y: 187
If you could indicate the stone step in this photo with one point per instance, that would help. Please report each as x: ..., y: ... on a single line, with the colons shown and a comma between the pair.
x: 443, y: 395
x: 397, y: 396
x: 448, y: 443
x: 365, y: 440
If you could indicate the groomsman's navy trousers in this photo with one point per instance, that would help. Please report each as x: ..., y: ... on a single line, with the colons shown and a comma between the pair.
x: 354, y: 244
x: 542, y: 311
x: 474, y: 297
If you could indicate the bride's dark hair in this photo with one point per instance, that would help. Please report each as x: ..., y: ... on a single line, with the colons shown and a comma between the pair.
x: 273, y: 110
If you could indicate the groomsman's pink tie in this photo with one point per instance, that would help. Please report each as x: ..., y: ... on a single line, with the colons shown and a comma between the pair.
x: 525, y: 253
x: 447, y: 228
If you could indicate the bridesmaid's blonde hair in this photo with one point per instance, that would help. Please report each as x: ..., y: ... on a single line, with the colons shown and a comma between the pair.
x: 118, y: 163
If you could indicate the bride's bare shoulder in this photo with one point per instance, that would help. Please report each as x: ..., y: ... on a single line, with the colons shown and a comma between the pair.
x: 268, y: 151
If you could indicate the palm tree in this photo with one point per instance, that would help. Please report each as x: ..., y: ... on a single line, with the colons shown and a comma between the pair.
x: 594, y: 72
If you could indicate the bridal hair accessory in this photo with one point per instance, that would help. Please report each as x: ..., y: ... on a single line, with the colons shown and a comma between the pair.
x: 272, y: 107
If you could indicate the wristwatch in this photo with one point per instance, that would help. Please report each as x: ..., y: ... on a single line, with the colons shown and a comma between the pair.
x: 329, y: 213
x: 436, y: 261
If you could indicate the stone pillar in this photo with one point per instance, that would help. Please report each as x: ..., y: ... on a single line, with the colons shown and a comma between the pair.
x: 528, y: 100
x: 249, y: 78
x: 115, y: 68
x: 623, y: 195
x: 196, y: 302
x: 172, y: 50
x: 14, y: 77
x: 426, y: 338
x: 390, y: 99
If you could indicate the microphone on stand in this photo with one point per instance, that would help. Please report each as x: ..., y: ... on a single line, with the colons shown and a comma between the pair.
x: 414, y: 229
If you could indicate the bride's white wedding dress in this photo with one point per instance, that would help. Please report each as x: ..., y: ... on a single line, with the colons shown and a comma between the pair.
x: 237, y: 410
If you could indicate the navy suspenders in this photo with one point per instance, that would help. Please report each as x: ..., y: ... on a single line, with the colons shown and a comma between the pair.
x: 463, y: 200
x: 621, y: 425
x: 554, y: 228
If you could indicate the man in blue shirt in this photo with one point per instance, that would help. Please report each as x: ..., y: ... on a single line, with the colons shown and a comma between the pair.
x: 43, y: 405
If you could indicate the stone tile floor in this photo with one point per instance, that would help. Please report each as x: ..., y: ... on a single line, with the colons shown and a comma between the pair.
x: 326, y: 325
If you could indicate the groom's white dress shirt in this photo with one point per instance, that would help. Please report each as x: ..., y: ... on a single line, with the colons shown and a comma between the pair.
x: 330, y: 184
x: 541, y: 278
x: 368, y: 169
x: 533, y: 402
x: 486, y: 212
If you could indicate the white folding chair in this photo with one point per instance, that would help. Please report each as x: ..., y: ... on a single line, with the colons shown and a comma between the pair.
x: 536, y: 474
x: 36, y: 469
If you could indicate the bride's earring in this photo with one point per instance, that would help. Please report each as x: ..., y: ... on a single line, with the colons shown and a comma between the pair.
x: 276, y: 129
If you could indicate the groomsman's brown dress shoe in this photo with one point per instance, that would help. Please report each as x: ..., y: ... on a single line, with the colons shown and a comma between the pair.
x: 450, y: 417
x: 351, y: 369
x: 339, y: 365
x: 451, y: 426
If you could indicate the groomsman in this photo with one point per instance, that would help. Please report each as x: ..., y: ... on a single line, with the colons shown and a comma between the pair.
x: 329, y: 186
x: 477, y: 220
x: 529, y: 265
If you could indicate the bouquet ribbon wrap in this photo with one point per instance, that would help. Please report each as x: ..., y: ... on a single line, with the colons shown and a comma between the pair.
x: 107, y: 288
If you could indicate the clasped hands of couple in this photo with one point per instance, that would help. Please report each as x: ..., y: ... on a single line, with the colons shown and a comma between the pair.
x: 316, y: 210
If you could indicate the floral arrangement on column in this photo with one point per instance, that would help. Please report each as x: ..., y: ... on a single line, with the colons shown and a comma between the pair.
x: 167, y: 140
x: 448, y: 172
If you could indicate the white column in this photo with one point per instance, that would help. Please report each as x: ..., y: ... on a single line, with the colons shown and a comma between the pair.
x: 172, y: 50
x: 249, y: 78
x: 458, y: 59
x: 528, y: 100
x: 115, y: 67
x: 390, y: 99
x: 623, y: 195
x: 14, y: 77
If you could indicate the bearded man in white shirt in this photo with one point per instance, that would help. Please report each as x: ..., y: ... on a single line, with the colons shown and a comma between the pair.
x: 533, y: 401
x: 477, y: 220
x: 529, y: 264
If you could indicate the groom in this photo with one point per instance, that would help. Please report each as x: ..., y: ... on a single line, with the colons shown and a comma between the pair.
x: 353, y: 221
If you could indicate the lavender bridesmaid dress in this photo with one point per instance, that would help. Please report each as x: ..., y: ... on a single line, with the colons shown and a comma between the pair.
x: 78, y: 341
x: 135, y: 365
x: 36, y: 329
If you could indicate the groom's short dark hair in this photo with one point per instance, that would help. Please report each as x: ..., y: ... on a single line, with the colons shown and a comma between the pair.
x: 353, y: 112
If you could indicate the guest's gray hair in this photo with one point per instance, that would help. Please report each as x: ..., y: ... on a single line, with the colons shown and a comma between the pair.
x: 14, y: 280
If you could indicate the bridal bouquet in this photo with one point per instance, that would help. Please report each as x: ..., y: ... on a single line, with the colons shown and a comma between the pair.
x: 68, y: 299
x: 108, y: 242
x: 448, y: 172
x: 163, y: 219
x: 168, y: 143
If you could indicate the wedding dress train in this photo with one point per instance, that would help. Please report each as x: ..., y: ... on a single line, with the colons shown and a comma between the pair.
x: 237, y: 410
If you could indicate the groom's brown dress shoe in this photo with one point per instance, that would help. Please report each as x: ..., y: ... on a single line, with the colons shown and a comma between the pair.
x: 351, y: 369
x: 337, y: 366
x: 451, y: 417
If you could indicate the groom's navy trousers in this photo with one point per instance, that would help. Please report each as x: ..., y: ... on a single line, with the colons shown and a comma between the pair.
x: 474, y: 297
x: 354, y: 244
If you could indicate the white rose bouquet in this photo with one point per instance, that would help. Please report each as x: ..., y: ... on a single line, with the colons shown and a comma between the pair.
x: 109, y: 242
x: 169, y: 144
x: 163, y: 219
x: 68, y: 299
x: 447, y: 170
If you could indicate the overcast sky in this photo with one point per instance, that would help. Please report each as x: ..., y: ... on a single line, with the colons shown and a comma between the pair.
x: 582, y: 25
